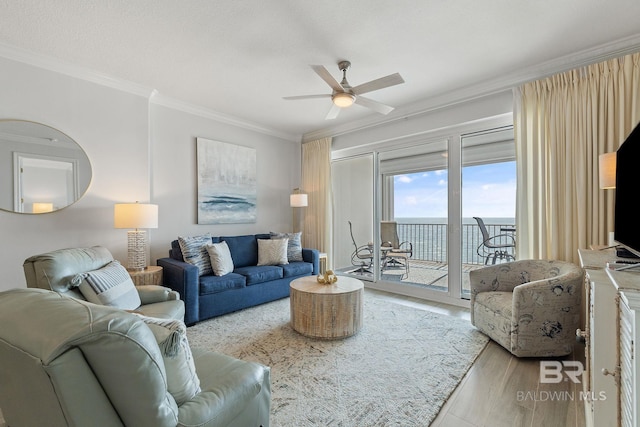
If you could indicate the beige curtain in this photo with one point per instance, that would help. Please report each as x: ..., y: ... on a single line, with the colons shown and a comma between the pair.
x: 316, y: 182
x: 562, y: 124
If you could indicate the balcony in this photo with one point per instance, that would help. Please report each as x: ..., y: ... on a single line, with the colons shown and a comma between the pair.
x: 428, y: 266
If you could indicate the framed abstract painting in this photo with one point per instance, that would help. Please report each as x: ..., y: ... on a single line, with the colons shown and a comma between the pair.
x: 226, y: 183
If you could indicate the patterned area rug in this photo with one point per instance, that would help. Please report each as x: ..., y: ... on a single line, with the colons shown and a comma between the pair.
x: 397, y: 371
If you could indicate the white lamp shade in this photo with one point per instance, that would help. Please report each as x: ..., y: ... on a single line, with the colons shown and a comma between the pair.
x: 135, y: 215
x: 607, y: 170
x: 298, y: 200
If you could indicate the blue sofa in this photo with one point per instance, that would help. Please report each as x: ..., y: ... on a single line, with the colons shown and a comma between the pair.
x: 248, y: 285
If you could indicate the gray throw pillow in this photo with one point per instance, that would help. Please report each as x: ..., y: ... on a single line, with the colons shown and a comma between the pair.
x: 220, y: 256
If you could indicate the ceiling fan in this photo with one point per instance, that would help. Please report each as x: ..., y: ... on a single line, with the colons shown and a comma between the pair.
x: 343, y: 95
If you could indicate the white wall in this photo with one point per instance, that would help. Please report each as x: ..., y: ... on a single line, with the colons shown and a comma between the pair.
x: 173, y: 143
x: 137, y: 152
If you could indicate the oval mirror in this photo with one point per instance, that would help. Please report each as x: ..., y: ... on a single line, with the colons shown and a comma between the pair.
x: 43, y: 170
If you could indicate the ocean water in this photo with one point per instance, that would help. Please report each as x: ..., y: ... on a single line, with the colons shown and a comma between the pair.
x: 429, y: 237
x: 487, y: 221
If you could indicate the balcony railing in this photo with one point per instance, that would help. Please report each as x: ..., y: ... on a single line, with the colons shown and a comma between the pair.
x: 430, y: 240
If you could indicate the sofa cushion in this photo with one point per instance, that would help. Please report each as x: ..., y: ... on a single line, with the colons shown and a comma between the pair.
x: 259, y: 274
x: 294, y: 248
x: 110, y: 285
x: 171, y: 335
x: 244, y: 249
x: 211, y: 284
x: 221, y: 261
x: 194, y: 251
x: 499, y: 302
x: 272, y: 252
x: 297, y: 269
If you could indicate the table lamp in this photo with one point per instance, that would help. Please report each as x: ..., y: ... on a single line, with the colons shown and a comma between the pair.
x: 607, y: 178
x: 607, y: 170
x: 136, y: 216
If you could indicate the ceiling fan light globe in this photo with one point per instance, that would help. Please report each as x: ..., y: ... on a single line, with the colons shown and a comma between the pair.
x: 343, y: 99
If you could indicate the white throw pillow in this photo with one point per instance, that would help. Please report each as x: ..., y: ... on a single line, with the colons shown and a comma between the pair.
x: 272, y: 251
x: 221, y: 261
x: 110, y: 285
x: 194, y: 251
x: 171, y: 335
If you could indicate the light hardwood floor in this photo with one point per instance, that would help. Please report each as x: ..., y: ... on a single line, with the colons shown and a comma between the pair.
x: 501, y: 390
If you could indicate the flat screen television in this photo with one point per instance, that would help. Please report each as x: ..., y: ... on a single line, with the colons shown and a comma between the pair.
x: 627, y: 214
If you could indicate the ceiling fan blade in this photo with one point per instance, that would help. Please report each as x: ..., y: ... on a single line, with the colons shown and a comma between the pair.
x: 381, y: 83
x: 333, y: 112
x: 374, y: 105
x: 327, y: 77
x: 306, y: 97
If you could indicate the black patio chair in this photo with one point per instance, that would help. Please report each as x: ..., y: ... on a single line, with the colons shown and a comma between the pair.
x: 498, y: 247
x: 362, y: 256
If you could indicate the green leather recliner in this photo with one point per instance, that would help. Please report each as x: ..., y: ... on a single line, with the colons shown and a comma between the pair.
x: 55, y: 270
x: 67, y: 362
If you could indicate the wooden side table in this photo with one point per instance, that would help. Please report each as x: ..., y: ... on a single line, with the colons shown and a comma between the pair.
x: 152, y: 275
x: 326, y: 311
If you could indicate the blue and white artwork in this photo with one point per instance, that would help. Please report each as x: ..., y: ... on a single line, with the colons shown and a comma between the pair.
x: 226, y: 183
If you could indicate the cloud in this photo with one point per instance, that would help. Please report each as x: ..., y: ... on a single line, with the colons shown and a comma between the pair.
x: 404, y: 179
x: 411, y: 200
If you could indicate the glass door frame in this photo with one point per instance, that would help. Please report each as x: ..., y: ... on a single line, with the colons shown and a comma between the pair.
x: 453, y: 135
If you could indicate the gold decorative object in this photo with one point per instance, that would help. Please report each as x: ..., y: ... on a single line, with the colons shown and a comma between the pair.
x: 328, y: 279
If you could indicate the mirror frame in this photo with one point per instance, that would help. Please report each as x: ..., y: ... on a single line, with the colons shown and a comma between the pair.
x: 52, y: 156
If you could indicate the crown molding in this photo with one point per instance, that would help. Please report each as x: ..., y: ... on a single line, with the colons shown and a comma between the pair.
x: 72, y: 70
x: 56, y: 65
x: 197, y: 110
x: 507, y: 82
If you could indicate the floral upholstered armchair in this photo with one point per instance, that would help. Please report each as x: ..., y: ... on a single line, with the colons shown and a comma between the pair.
x: 530, y: 307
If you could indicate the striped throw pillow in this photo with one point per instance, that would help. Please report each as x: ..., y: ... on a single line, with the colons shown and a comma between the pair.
x: 110, y: 285
x: 194, y: 251
x: 171, y: 335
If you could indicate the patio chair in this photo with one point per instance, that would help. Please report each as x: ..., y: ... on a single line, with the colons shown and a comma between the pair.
x: 399, y: 250
x: 362, y: 256
x: 498, y: 247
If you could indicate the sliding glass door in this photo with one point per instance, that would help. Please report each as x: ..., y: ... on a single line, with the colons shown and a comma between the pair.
x: 414, y: 220
x: 405, y: 214
x: 353, y: 215
x: 488, y: 199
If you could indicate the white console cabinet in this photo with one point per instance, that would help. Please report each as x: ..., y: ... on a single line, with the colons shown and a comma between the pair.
x: 628, y: 285
x: 613, y: 323
x: 601, y: 341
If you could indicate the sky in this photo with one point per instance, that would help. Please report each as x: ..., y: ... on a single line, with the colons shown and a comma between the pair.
x: 488, y: 191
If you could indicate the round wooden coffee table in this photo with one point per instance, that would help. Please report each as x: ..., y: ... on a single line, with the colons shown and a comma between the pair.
x: 326, y: 311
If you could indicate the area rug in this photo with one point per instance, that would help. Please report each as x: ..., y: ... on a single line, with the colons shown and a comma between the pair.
x: 398, y: 370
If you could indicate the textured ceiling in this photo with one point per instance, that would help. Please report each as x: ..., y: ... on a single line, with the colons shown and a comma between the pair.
x: 239, y: 58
